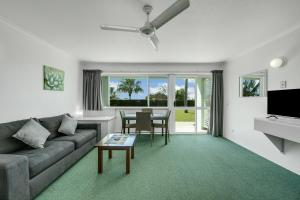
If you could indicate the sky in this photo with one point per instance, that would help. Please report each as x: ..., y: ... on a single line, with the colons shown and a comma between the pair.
x: 155, y: 85
x: 191, y: 86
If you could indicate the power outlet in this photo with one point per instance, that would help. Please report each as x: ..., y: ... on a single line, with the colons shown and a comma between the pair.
x: 282, y: 84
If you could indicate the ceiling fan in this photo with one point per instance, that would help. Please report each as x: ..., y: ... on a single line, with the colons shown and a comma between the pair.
x: 149, y: 28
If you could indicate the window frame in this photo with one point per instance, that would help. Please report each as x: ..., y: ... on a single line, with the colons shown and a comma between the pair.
x: 166, y: 77
x: 148, y: 77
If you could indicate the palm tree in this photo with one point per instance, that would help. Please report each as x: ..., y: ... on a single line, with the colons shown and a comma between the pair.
x: 186, y: 85
x: 130, y: 86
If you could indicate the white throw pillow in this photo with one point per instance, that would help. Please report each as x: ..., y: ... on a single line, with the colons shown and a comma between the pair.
x: 68, y: 125
x: 33, y: 134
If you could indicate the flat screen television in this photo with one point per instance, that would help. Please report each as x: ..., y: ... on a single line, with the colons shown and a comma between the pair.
x: 284, y: 102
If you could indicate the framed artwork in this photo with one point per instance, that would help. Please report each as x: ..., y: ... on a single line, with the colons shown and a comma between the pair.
x: 254, y: 84
x: 53, y: 78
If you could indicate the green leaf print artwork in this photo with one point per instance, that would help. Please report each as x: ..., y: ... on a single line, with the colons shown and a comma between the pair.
x: 53, y: 79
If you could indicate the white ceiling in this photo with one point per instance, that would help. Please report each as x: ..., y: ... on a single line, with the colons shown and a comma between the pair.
x: 208, y: 31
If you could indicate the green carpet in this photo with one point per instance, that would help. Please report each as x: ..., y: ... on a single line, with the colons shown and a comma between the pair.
x: 189, y: 168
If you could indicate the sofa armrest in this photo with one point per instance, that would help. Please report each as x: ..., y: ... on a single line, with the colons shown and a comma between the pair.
x: 95, y: 126
x: 14, y: 177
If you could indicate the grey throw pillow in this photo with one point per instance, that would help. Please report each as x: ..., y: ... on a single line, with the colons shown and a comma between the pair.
x: 32, y: 134
x: 68, y: 125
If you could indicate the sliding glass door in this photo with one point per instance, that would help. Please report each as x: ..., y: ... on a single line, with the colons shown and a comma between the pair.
x: 203, y: 100
x: 185, y: 121
x: 192, y: 104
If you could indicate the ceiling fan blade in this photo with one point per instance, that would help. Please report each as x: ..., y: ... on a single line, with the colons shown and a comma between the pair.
x: 170, y: 13
x: 154, y: 41
x: 119, y: 28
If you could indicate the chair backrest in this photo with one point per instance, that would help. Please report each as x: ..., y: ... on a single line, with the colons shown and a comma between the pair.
x: 168, y: 113
x: 143, y: 121
x: 122, y: 113
x: 150, y: 110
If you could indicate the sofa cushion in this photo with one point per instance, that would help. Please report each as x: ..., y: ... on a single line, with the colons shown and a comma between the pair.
x: 33, y: 134
x: 79, y: 138
x: 8, y: 144
x: 68, y: 125
x: 41, y: 159
x: 52, y: 124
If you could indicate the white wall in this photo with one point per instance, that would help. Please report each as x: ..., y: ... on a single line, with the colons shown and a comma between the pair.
x: 240, y: 112
x: 22, y: 57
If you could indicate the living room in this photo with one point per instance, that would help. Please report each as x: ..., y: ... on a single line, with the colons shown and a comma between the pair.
x: 218, y: 81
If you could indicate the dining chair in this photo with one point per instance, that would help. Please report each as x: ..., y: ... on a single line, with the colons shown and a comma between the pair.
x: 164, y: 124
x: 150, y: 110
x: 144, y: 123
x: 126, y: 124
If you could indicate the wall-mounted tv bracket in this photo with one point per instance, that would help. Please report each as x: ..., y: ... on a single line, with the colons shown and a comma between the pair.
x: 272, y: 116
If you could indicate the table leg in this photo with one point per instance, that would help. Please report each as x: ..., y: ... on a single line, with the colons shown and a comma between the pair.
x: 162, y: 128
x: 128, y: 161
x: 166, y: 137
x: 168, y: 134
x: 128, y: 122
x: 100, y: 160
x: 132, y: 152
x: 110, y: 154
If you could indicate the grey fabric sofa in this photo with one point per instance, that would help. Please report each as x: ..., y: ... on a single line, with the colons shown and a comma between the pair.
x: 25, y: 172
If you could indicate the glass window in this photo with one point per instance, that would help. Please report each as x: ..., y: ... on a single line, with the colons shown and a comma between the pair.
x: 204, y: 85
x: 105, y: 90
x: 128, y: 91
x: 158, y: 88
x: 185, y: 92
x: 135, y: 91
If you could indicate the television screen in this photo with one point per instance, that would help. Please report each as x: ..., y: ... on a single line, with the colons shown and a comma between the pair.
x: 284, y: 102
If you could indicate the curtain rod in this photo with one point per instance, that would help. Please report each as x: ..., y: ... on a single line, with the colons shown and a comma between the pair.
x: 156, y: 73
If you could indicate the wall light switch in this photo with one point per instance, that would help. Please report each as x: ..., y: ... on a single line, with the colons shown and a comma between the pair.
x: 282, y: 84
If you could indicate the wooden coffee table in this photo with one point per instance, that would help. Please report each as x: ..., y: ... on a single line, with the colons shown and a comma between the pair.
x: 110, y: 142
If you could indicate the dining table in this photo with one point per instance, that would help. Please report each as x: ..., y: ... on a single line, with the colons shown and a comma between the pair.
x: 154, y: 116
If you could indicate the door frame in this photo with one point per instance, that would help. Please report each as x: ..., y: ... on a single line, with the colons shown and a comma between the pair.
x: 171, y: 100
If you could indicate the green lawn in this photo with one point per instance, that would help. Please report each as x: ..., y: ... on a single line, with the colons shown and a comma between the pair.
x: 181, y: 116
